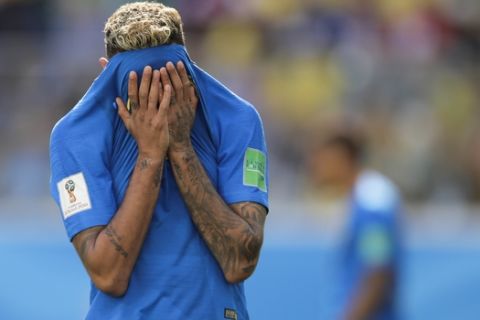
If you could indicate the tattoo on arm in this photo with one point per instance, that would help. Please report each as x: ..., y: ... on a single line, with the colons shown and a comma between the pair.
x: 115, y: 240
x: 144, y: 164
x: 178, y: 171
x: 254, y: 215
x: 158, y: 177
x: 233, y: 237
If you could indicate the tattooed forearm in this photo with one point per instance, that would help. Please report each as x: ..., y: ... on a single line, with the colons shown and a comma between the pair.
x: 177, y: 171
x: 144, y: 163
x: 115, y: 240
x: 233, y: 236
x: 254, y: 215
x: 158, y: 177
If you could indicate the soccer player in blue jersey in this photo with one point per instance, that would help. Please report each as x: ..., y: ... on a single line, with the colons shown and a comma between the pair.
x: 371, y: 245
x: 162, y: 185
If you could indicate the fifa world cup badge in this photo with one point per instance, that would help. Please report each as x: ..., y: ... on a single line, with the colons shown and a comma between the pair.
x: 70, y: 187
x: 73, y: 194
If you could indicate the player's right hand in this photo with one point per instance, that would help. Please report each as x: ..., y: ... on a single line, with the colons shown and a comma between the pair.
x: 146, y: 116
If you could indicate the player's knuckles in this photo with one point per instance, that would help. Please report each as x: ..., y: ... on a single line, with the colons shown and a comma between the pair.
x: 140, y: 119
x: 143, y: 95
x: 193, y: 101
x: 159, y: 125
x: 133, y: 97
x: 177, y: 84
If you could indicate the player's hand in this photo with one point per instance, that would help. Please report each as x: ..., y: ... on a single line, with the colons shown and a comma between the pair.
x: 183, y: 104
x: 146, y: 113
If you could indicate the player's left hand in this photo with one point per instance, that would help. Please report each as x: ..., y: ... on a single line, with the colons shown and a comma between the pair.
x: 183, y: 104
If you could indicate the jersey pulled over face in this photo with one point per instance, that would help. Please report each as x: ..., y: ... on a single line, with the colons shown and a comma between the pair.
x: 92, y: 158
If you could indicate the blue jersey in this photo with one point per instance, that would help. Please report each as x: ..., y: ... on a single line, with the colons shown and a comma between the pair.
x: 372, y: 236
x: 92, y: 158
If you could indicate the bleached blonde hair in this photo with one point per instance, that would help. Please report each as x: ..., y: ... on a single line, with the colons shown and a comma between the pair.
x: 141, y: 25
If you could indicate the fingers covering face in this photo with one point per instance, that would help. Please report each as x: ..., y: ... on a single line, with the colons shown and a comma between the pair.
x: 153, y: 86
x: 165, y: 102
x: 123, y: 112
x: 132, y: 103
x: 164, y: 77
x: 154, y: 91
x: 145, y: 86
x: 188, y: 87
x: 149, y: 96
x: 176, y: 80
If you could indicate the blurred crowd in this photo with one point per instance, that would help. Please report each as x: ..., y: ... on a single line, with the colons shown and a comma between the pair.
x: 407, y: 72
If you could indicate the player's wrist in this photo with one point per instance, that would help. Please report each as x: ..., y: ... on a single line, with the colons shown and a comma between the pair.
x: 153, y: 158
x: 178, y: 149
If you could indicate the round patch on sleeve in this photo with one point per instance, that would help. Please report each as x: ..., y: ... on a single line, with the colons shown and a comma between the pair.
x: 375, y: 247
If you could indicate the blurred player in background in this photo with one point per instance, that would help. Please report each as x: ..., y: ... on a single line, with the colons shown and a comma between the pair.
x: 370, y: 245
x: 163, y: 196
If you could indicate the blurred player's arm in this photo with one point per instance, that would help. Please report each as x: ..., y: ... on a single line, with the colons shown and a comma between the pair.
x: 376, y: 251
x: 374, y: 288
x: 233, y: 234
x: 109, y: 252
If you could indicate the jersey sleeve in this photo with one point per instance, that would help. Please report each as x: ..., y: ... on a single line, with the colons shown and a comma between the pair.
x: 81, y: 182
x: 378, y: 204
x: 243, y: 159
